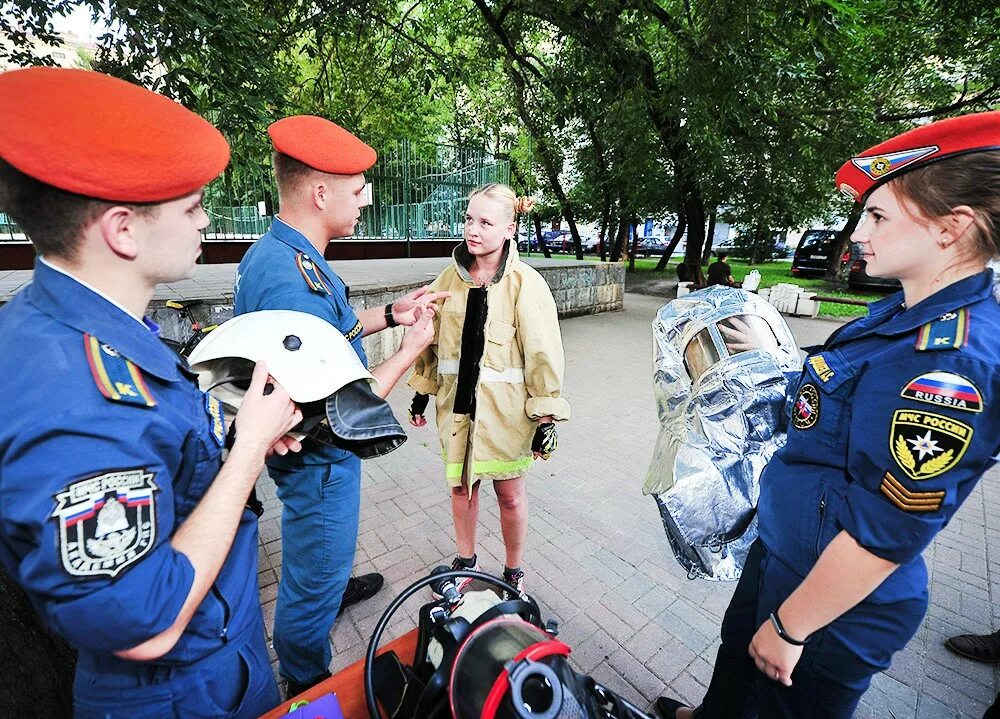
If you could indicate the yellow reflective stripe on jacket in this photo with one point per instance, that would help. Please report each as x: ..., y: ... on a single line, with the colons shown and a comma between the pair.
x: 453, y: 470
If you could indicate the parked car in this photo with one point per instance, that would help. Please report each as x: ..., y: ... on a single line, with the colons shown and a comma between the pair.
x: 813, y: 254
x: 651, y: 246
x: 853, y: 271
x: 558, y: 240
x: 742, y: 247
x: 524, y: 241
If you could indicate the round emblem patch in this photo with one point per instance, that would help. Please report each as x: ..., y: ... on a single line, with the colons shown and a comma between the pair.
x: 879, y: 166
x: 805, y: 414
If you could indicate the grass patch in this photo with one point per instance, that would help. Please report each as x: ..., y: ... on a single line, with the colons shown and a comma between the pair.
x: 771, y: 273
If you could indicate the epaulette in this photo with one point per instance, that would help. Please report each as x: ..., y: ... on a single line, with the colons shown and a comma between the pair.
x: 310, y: 274
x: 118, y: 378
x: 950, y: 331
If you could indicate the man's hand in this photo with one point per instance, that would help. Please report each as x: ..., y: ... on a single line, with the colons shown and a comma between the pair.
x: 421, y: 334
x: 405, y: 310
x: 267, y: 413
x: 775, y: 657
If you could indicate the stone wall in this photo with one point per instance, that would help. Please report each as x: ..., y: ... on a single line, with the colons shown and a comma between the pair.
x: 577, y: 289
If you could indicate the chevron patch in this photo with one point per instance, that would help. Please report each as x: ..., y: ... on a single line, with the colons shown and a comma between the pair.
x: 907, y: 499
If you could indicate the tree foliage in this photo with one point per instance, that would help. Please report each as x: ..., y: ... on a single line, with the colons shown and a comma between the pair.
x: 610, y: 110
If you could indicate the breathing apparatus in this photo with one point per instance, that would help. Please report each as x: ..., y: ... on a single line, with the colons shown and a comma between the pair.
x: 482, y: 657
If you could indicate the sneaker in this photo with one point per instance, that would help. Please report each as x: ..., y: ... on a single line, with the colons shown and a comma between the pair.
x: 359, y: 589
x: 463, y: 583
x: 516, y: 580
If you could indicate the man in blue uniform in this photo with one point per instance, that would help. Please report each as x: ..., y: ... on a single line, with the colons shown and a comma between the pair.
x: 115, y: 516
x: 319, y: 169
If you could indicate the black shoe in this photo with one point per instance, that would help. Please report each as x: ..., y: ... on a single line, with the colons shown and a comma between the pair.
x: 293, y: 689
x: 359, y: 589
x: 668, y: 707
x: 981, y: 647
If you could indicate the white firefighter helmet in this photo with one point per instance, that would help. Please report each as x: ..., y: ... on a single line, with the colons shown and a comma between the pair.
x: 313, y: 361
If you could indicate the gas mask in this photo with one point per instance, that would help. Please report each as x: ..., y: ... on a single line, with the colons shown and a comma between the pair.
x: 722, y: 360
x: 314, y: 363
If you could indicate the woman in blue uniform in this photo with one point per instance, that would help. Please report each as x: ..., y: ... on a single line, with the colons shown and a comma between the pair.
x: 891, y: 425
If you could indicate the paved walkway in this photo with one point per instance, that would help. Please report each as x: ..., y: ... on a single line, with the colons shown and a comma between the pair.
x: 597, y: 558
x: 213, y: 281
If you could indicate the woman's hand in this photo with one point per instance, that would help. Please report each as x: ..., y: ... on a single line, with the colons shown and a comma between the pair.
x: 545, y: 440
x: 417, y: 408
x: 775, y: 657
x: 407, y: 309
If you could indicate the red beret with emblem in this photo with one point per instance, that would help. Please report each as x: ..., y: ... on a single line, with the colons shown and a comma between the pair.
x: 918, y: 147
x: 105, y: 138
x: 321, y: 144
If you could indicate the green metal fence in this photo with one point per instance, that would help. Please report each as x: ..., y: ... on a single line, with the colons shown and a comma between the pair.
x: 419, y: 192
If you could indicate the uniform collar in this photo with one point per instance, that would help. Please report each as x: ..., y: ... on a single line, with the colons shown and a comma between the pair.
x: 888, y: 318
x: 69, y: 301
x: 298, y: 241
x: 953, y: 297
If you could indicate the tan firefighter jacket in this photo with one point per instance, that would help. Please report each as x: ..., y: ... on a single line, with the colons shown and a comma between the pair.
x: 520, y: 375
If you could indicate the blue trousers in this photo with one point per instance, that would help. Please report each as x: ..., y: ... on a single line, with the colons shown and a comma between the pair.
x: 319, y: 533
x: 235, y: 682
x: 836, y: 666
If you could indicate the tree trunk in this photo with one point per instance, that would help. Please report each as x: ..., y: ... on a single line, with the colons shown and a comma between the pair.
x: 620, y: 236
x: 36, y: 665
x: 602, y: 237
x: 634, y: 249
x: 706, y: 255
x: 842, y: 242
x: 694, y: 208
x: 538, y: 235
x: 668, y: 251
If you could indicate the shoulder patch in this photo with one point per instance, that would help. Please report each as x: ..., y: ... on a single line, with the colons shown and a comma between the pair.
x: 107, y: 522
x: 310, y: 274
x: 907, y: 499
x: 946, y: 389
x: 925, y: 444
x: 950, y: 331
x: 118, y: 378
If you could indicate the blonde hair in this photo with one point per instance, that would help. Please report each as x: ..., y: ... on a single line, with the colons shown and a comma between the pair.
x: 507, y: 197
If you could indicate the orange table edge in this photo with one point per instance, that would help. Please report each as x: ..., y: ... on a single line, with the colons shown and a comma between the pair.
x: 348, y: 684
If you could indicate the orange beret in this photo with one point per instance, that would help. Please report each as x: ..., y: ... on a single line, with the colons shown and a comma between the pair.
x: 105, y: 138
x: 321, y: 144
x: 918, y: 147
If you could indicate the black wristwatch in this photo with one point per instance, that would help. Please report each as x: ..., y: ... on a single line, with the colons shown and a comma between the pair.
x: 780, y: 629
x: 390, y: 321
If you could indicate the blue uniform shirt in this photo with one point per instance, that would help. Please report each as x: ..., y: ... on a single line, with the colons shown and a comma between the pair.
x: 283, y: 271
x: 106, y: 445
x: 890, y: 427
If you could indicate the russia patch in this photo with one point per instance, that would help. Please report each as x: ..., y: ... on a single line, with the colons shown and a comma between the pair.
x: 946, y: 389
x: 879, y: 165
x: 107, y: 522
